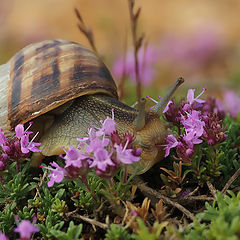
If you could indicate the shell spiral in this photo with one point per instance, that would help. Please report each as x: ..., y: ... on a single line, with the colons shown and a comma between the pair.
x: 45, y: 75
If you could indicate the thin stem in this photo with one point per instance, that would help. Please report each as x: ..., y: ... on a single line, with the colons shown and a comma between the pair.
x: 137, y: 42
x: 84, y: 180
x: 230, y: 181
x: 87, y: 32
x: 110, y: 182
x: 125, y: 174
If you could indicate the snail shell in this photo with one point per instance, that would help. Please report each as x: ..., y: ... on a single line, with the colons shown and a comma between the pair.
x: 45, y: 75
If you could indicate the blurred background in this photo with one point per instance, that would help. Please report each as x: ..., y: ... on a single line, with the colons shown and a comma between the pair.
x: 199, y: 40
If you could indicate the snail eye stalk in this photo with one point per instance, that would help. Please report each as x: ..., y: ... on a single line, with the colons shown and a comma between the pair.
x: 158, y: 108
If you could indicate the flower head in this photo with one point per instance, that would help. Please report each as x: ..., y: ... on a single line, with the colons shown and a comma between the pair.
x: 108, y: 126
x: 213, y: 131
x: 3, y: 236
x: 124, y: 155
x: 102, y: 159
x: 191, y: 99
x: 74, y: 157
x: 56, y: 175
x: 27, y: 146
x: 171, y: 143
x: 25, y: 228
x: 192, y: 123
x: 230, y: 103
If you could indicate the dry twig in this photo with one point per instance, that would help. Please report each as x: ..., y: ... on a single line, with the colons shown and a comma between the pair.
x: 188, y: 199
x: 230, y: 181
x: 87, y: 32
x: 137, y: 43
x: 91, y: 221
x: 40, y: 184
x: 212, y: 189
x: 149, y: 191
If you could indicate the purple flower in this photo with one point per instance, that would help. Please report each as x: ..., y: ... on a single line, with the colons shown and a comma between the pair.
x: 191, y: 99
x: 74, y: 157
x: 108, y: 126
x: 213, y: 105
x: 102, y: 159
x: 96, y: 143
x: 124, y: 155
x: 25, y: 228
x: 191, y: 139
x: 27, y: 146
x: 184, y: 151
x: 171, y: 143
x: 56, y: 174
x: 213, y: 131
x: 193, y: 123
x: 172, y: 113
x: 23, y: 136
x: 3, y: 236
x: 230, y: 103
x: 3, y: 162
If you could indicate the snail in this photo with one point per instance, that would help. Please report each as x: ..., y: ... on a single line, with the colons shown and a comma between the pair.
x: 63, y: 87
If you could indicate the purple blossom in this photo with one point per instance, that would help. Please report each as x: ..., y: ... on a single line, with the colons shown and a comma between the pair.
x: 185, y: 193
x: 191, y: 99
x: 102, y: 159
x: 124, y: 155
x: 96, y: 143
x: 191, y: 139
x: 23, y: 136
x: 184, y: 150
x: 74, y: 157
x: 230, y: 103
x: 213, y: 131
x: 3, y: 162
x: 25, y: 228
x: 20, y: 132
x: 213, y: 105
x: 173, y: 113
x: 27, y: 146
x: 171, y: 143
x: 56, y: 175
x: 193, y: 123
x: 3, y: 236
x: 108, y: 126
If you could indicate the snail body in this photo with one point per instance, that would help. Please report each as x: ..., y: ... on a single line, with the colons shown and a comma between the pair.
x: 63, y: 87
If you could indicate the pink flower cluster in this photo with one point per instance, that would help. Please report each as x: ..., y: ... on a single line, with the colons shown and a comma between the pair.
x: 25, y: 228
x: 200, y: 119
x: 103, y: 149
x: 18, y: 147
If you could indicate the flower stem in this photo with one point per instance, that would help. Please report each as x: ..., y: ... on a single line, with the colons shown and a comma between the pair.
x: 125, y: 174
x: 84, y: 180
